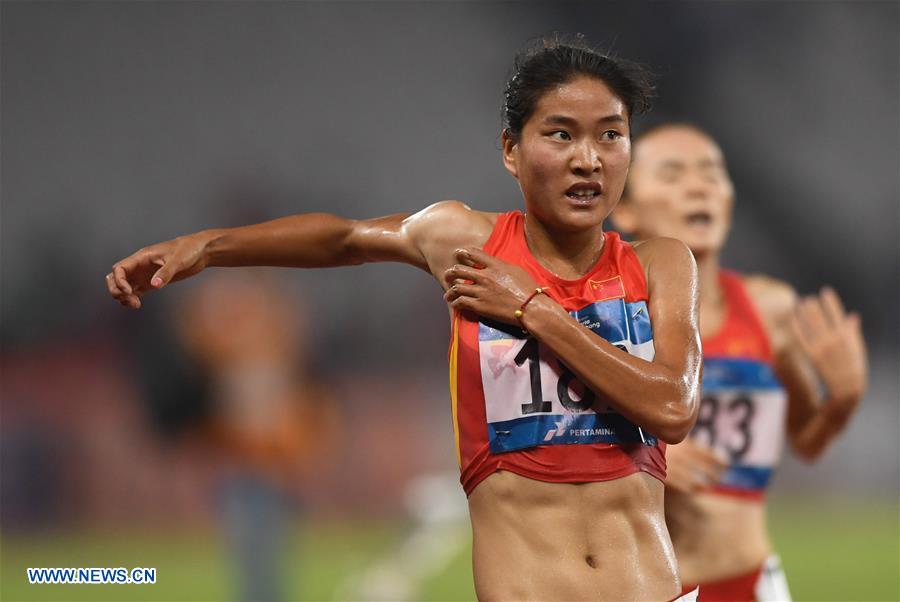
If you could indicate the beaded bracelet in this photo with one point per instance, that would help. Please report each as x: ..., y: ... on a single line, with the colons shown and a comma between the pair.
x: 519, y: 313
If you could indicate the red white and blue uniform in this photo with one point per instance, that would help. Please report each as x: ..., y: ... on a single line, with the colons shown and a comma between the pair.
x: 743, y: 406
x: 516, y: 407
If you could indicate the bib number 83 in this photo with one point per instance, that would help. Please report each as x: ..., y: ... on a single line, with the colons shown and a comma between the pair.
x: 726, y: 425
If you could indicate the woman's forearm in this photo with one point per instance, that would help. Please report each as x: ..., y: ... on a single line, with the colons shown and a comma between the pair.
x: 310, y: 240
x: 822, y: 427
x: 650, y: 395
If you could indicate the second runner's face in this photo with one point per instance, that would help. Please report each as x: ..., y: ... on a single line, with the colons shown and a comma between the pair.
x: 679, y: 187
x: 572, y: 156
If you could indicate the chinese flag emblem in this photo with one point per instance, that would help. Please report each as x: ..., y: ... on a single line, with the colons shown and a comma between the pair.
x: 611, y: 288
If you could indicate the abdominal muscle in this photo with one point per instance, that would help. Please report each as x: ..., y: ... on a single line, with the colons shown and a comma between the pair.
x: 605, y: 540
x: 716, y: 537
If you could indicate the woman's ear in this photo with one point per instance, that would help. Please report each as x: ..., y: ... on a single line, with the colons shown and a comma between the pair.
x: 624, y: 217
x: 510, y: 150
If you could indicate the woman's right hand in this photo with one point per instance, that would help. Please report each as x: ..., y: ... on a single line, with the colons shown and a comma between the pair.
x: 691, y: 466
x: 833, y: 341
x: 156, y: 266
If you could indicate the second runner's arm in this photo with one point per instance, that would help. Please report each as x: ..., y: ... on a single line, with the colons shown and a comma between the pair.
x: 824, y: 370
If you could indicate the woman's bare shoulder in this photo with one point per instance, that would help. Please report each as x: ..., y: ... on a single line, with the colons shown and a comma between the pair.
x: 771, y: 296
x: 663, y: 253
x: 441, y: 228
x: 774, y: 301
x: 451, y: 222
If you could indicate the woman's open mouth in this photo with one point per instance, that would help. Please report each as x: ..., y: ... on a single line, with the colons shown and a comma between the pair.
x: 585, y: 193
x: 698, y: 218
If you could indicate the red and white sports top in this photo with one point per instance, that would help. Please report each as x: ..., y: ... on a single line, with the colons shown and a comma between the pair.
x: 517, y: 408
x: 742, y: 411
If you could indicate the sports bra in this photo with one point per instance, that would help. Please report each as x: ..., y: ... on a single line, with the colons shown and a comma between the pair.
x: 516, y: 407
x: 743, y: 405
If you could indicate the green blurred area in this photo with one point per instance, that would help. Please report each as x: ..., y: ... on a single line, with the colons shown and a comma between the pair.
x: 839, y: 551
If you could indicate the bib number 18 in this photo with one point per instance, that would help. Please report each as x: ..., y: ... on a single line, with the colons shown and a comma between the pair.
x: 530, y: 353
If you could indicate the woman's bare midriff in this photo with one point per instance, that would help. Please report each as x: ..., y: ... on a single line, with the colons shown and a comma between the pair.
x: 605, y: 540
x: 717, y: 536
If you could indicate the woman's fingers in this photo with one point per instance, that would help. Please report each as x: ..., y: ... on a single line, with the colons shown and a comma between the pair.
x: 814, y: 316
x: 709, y: 464
x: 820, y: 318
x: 124, y: 281
x: 461, y: 273
x: 833, y: 341
x: 854, y: 324
x: 460, y: 290
x: 486, y: 285
x: 832, y: 306
x: 704, y: 458
x: 808, y: 322
x: 121, y: 279
x: 694, y: 466
x: 798, y: 332
x: 463, y: 304
x: 686, y: 477
x: 474, y: 257
x: 112, y: 287
x: 126, y: 299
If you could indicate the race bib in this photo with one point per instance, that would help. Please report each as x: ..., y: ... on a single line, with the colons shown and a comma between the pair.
x: 532, y: 399
x: 742, y: 414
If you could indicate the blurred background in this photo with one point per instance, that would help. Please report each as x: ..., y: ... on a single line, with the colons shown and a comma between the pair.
x: 298, y: 447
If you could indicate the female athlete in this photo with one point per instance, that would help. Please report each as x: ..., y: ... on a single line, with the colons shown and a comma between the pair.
x: 759, y: 344
x: 574, y: 356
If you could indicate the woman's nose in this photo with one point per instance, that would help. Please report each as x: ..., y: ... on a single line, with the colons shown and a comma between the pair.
x: 586, y: 159
x: 697, y: 186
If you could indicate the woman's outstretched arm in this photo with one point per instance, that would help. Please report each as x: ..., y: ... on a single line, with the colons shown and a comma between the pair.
x: 313, y: 240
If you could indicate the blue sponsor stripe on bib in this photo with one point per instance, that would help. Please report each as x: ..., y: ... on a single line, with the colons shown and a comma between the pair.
x: 641, y: 330
x: 742, y: 476
x: 607, y: 319
x: 491, y: 330
x: 561, y: 429
x: 614, y: 320
x: 729, y: 373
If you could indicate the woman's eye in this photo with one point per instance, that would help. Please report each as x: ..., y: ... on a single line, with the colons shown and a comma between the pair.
x: 714, y: 175
x: 611, y: 135
x: 668, y: 176
x: 560, y: 135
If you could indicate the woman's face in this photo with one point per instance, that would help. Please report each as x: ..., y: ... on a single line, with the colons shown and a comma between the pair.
x: 572, y: 156
x: 679, y: 187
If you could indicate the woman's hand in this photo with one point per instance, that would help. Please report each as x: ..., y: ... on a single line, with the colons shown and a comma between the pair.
x: 487, y: 286
x: 692, y: 467
x: 832, y: 340
x: 155, y: 266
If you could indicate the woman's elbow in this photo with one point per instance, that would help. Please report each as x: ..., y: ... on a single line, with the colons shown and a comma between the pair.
x: 808, y: 455
x: 678, y: 420
x: 680, y: 405
x: 675, y: 433
x: 807, y: 451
